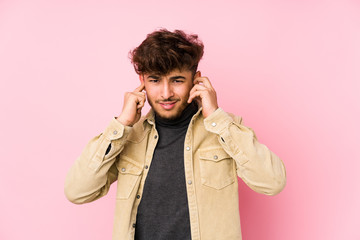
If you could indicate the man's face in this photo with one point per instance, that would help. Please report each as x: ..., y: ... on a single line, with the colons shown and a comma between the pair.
x: 168, y: 94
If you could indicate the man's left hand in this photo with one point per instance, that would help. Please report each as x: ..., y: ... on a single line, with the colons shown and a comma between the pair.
x: 204, y: 93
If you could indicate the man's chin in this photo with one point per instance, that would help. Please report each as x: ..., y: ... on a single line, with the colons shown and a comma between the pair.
x: 168, y: 116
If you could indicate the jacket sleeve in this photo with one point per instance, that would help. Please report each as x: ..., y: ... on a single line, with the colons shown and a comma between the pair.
x: 256, y: 165
x: 90, y: 177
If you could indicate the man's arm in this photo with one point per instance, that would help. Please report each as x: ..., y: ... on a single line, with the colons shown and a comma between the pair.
x: 94, y: 171
x: 257, y: 166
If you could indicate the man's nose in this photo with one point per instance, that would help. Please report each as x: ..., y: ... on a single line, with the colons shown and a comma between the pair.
x: 167, y: 91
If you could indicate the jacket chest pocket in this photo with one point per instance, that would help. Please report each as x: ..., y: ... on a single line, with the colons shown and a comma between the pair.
x: 129, y: 173
x: 216, y: 168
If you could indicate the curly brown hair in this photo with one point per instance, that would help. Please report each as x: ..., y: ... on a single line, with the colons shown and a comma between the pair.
x: 163, y: 51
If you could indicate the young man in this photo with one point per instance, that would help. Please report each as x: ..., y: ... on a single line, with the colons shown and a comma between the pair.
x: 176, y: 168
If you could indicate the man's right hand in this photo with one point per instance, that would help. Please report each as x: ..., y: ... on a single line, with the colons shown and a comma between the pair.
x: 133, y: 103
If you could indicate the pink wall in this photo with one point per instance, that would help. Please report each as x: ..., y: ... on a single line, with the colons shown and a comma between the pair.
x: 290, y: 68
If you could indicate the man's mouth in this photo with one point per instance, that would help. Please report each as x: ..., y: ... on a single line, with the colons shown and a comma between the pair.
x: 167, y: 105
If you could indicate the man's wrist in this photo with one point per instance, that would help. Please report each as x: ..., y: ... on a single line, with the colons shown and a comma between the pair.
x: 125, y: 123
x: 211, y: 112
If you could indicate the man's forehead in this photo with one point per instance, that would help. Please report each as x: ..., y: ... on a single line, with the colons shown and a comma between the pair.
x: 184, y: 73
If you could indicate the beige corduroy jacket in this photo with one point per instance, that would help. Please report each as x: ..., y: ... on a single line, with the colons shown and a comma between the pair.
x: 216, y: 150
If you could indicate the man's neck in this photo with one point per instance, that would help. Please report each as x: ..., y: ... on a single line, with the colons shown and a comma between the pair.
x: 182, y: 120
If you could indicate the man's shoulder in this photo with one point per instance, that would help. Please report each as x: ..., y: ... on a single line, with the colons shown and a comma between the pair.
x: 222, y: 114
x: 236, y: 118
x: 142, y: 126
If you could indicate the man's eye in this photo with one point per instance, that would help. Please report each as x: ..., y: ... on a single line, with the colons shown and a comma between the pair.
x: 153, y: 80
x: 178, y: 81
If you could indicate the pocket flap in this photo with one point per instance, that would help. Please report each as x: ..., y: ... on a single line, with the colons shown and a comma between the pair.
x: 214, y: 154
x: 126, y: 165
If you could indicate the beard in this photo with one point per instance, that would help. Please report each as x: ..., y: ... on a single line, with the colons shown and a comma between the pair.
x: 177, y: 112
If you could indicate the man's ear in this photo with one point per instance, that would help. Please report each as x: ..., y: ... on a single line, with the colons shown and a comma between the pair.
x: 197, y: 74
x: 141, y: 77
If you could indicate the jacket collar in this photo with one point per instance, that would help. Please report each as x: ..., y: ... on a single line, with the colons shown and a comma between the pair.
x: 149, y: 118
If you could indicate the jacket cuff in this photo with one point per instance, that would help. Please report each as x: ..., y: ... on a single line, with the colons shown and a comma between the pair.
x: 116, y: 130
x: 218, y: 121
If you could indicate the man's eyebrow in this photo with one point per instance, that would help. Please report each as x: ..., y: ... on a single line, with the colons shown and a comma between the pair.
x: 177, y: 77
x: 154, y: 77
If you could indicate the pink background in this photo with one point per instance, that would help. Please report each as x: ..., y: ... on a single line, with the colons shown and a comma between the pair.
x: 290, y: 68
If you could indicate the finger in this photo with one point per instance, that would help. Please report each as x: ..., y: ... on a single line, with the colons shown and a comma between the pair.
x: 203, y: 80
x: 197, y: 87
x: 140, y: 104
x: 194, y: 95
x: 140, y: 88
x: 139, y: 94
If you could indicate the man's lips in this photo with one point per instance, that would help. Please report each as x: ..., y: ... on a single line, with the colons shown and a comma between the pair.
x: 168, y: 105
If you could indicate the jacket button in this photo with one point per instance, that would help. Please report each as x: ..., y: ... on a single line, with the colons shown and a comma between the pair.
x: 215, y: 157
x: 134, y: 225
x: 189, y: 182
x: 187, y: 148
x: 155, y: 136
x: 146, y: 166
x: 115, y: 132
x: 123, y: 169
x: 213, y: 124
x: 138, y: 196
